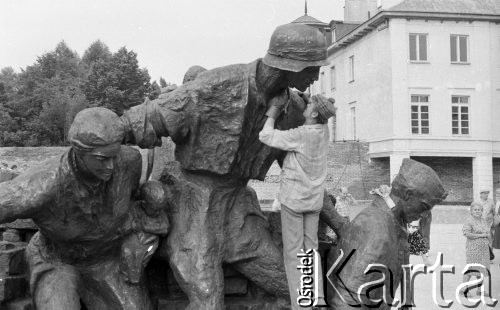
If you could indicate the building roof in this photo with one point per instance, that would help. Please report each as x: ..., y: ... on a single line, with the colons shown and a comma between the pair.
x: 488, y: 7
x: 343, y: 29
x: 309, y: 20
x: 457, y: 10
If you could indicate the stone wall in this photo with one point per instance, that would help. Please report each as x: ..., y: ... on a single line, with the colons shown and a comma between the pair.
x: 456, y: 175
x: 349, y: 166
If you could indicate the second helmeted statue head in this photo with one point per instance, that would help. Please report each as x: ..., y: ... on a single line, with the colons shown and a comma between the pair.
x: 300, y: 51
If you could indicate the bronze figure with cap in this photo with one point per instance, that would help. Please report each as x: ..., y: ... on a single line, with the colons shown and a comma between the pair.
x: 377, y: 236
x: 95, y: 235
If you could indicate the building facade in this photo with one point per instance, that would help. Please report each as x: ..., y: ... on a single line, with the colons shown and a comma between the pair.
x: 420, y: 79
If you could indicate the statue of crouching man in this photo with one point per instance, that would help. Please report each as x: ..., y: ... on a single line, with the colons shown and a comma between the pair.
x: 96, y: 232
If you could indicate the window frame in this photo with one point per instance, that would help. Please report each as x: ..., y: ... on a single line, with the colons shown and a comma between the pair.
x: 459, y: 113
x: 352, y: 121
x: 322, y: 83
x: 333, y: 79
x: 419, y: 104
x: 351, y: 68
x: 417, y: 47
x: 458, y: 54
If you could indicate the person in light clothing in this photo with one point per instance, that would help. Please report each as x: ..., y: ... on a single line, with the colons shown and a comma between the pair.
x: 477, y: 231
x: 302, y: 185
x: 496, y: 221
x: 488, y: 216
x: 344, y: 202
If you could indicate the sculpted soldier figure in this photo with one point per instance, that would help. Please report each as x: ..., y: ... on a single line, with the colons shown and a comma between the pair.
x: 94, y: 239
x: 378, y: 235
x: 215, y: 121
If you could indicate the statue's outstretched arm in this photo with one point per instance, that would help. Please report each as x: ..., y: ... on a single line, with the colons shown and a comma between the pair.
x: 148, y: 122
x: 23, y: 196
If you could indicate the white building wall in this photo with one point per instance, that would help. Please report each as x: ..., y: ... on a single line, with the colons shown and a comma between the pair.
x: 494, y: 39
x: 399, y: 68
x: 372, y: 74
x: 440, y: 79
x: 385, y: 79
x: 482, y: 175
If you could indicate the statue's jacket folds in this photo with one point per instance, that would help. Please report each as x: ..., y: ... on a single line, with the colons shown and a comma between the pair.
x: 83, y: 228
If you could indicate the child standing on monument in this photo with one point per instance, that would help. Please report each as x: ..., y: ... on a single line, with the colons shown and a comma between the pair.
x: 302, y: 187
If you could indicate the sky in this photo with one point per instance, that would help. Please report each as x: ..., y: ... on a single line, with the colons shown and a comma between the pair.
x: 169, y: 36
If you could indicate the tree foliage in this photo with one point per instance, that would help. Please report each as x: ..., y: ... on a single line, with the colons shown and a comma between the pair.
x: 163, y: 83
x: 117, y: 84
x: 96, y: 52
x: 37, y: 105
x: 154, y: 91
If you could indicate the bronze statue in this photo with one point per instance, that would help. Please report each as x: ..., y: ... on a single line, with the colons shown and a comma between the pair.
x: 95, y: 236
x: 214, y: 120
x: 378, y: 235
x: 192, y: 73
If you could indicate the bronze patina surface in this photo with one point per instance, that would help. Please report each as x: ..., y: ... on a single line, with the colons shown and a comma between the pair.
x: 94, y: 235
x: 378, y: 235
x: 214, y: 120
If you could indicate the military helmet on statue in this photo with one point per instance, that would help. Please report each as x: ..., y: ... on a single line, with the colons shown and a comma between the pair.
x: 294, y: 47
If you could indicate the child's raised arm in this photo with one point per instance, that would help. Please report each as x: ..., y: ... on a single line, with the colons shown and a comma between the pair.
x: 286, y: 140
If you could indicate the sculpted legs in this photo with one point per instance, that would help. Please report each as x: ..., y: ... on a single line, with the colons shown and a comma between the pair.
x: 106, y: 288
x: 57, y: 289
x: 101, y: 286
x: 195, y: 243
x: 249, y: 246
x: 216, y: 222
x: 53, y: 284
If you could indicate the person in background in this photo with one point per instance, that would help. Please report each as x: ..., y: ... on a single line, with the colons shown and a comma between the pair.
x: 384, y: 191
x: 418, y: 245
x: 496, y: 222
x: 344, y: 202
x: 488, y: 215
x: 477, y: 232
x: 425, y: 230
